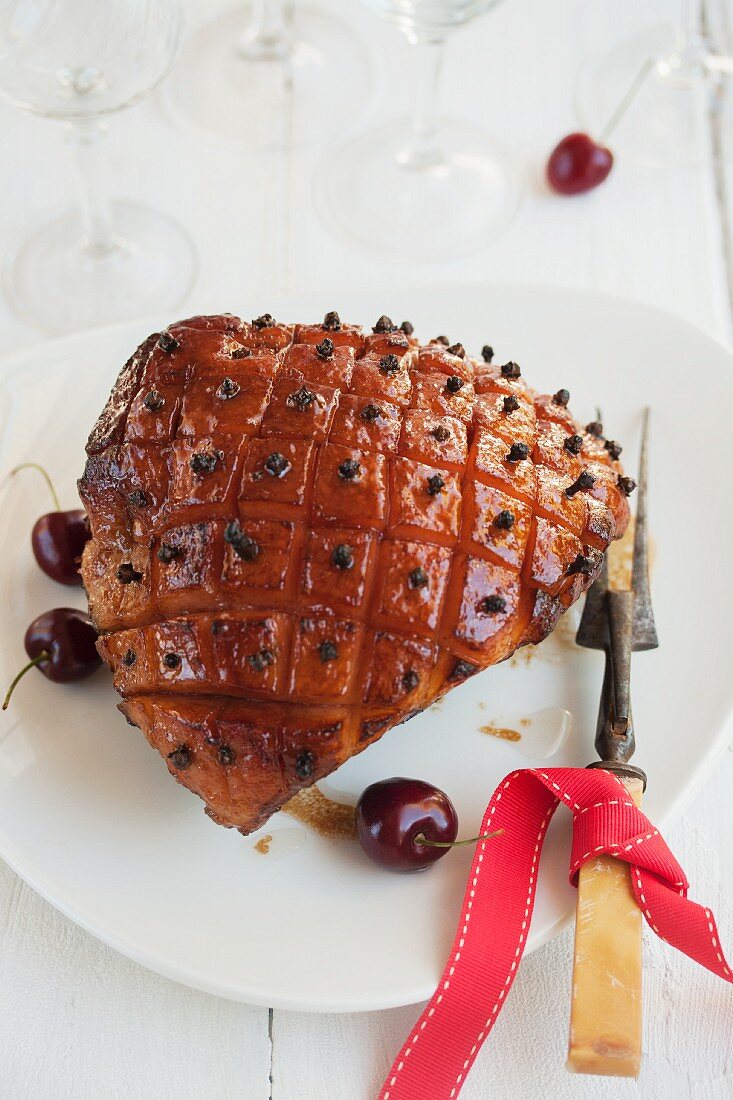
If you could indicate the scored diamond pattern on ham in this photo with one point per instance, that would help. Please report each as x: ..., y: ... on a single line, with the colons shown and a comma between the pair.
x: 305, y: 534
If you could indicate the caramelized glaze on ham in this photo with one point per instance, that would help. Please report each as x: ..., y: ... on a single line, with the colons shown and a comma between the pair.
x: 305, y: 534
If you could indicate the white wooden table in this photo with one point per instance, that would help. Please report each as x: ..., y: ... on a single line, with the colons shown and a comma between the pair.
x: 80, y: 1022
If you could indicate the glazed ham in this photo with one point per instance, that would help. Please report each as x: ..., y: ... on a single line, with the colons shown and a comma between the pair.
x: 305, y: 534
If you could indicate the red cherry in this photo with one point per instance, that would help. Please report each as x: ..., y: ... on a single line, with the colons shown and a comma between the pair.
x: 61, y: 645
x: 394, y: 815
x: 577, y: 164
x: 58, y: 540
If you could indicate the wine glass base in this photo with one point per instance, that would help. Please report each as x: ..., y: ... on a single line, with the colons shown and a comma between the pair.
x: 317, y: 89
x: 369, y: 192
x: 668, y: 124
x: 55, y: 284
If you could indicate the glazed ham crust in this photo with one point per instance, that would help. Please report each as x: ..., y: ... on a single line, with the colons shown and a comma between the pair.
x: 305, y: 534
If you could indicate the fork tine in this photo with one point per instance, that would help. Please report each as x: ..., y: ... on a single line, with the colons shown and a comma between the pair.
x: 593, y: 627
x: 645, y: 631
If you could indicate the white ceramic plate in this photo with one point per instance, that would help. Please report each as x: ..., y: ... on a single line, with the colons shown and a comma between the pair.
x: 90, y: 817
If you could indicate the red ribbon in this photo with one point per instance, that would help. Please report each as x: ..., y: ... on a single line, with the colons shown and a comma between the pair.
x: 497, y: 909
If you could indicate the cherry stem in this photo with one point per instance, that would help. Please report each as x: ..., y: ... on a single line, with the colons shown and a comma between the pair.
x: 421, y: 839
x: 42, y: 656
x: 44, y: 473
x: 627, y: 100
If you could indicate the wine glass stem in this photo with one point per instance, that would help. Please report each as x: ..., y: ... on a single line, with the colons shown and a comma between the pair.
x: 423, y: 150
x: 688, y: 36
x: 84, y: 139
x: 266, y: 36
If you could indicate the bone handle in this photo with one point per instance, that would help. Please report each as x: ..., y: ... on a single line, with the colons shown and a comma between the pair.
x: 605, y: 1013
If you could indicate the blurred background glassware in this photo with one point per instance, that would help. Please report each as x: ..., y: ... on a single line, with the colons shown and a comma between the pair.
x: 416, y: 188
x: 686, y: 97
x: 271, y: 74
x: 79, y: 61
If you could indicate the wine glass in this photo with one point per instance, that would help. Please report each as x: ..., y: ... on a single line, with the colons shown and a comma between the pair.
x: 421, y: 189
x: 271, y: 75
x: 79, y: 61
x: 689, y: 68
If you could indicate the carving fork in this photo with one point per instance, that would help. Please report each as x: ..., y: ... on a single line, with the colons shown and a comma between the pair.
x: 605, y: 1017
